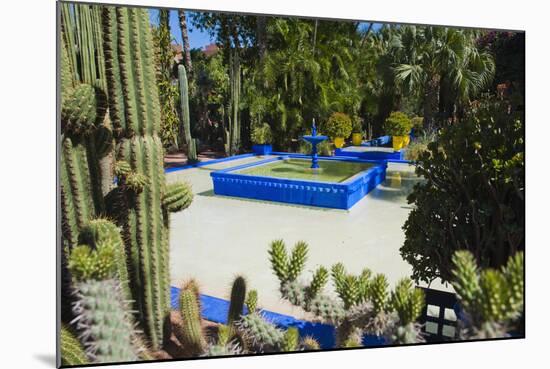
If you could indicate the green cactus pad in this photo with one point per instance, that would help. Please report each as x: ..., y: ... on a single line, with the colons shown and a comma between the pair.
x: 279, y: 260
x: 252, y: 301
x: 263, y: 335
x: 79, y: 110
x: 318, y: 282
x: 297, y: 260
x: 72, y: 352
x: 290, y: 340
x: 104, y: 318
x: 191, y: 334
x: 85, y: 263
x: 327, y: 309
x: 178, y: 197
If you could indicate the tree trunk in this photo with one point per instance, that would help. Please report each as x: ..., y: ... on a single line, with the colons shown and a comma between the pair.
x: 261, y: 41
x: 185, y: 40
x: 430, y: 101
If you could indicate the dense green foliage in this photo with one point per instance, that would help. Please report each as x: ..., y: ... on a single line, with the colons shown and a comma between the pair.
x: 473, y: 196
x: 492, y: 299
x: 397, y: 124
x: 261, y: 134
x: 337, y: 125
x: 168, y: 92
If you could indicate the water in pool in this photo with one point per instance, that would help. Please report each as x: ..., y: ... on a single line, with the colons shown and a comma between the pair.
x: 329, y: 171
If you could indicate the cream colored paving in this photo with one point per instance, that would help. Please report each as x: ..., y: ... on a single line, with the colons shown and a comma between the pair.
x: 217, y: 237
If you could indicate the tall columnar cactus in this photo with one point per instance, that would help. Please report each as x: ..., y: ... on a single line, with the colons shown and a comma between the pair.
x: 236, y: 303
x: 492, y: 299
x: 72, y: 352
x: 99, y: 232
x: 143, y: 211
x: 191, y: 334
x: 101, y: 313
x: 184, y: 107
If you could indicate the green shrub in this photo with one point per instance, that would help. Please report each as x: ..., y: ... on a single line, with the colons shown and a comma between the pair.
x: 338, y: 125
x: 357, y: 126
x: 261, y: 135
x: 473, y: 196
x: 419, y: 145
x: 397, y: 124
x: 417, y: 122
x: 324, y: 148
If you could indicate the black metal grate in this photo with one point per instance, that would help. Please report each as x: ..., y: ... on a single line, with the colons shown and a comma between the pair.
x: 439, y: 321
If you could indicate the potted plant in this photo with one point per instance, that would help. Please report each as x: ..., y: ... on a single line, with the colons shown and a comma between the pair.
x: 357, y: 131
x: 261, y: 137
x: 338, y: 127
x: 398, y: 125
x: 417, y: 126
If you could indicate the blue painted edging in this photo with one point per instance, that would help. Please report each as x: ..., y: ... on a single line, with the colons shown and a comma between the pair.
x: 215, y: 310
x: 209, y: 162
x: 262, y: 149
x: 371, y: 155
x: 321, y: 194
x: 380, y: 141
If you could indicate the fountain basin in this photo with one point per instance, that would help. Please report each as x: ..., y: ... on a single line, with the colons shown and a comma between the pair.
x: 315, y: 140
x: 339, y: 182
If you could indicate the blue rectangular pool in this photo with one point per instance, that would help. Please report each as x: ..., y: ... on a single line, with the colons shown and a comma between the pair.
x: 340, y: 182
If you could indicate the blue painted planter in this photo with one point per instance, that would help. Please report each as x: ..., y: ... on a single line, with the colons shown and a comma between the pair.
x: 264, y: 149
x: 371, y: 155
x: 322, y: 194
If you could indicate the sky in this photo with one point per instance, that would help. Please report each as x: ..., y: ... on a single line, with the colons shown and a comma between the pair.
x: 199, y: 39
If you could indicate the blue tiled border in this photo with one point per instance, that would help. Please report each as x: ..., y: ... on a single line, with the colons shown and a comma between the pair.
x: 215, y: 310
x: 302, y: 192
x: 209, y: 162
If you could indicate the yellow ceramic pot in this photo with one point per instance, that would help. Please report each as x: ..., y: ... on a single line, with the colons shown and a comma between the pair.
x: 406, y: 140
x: 339, y: 142
x: 356, y: 139
x: 397, y: 142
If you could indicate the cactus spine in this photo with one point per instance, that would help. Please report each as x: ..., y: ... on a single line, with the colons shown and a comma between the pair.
x: 191, y: 334
x: 101, y: 313
x: 72, y: 352
x: 236, y: 303
x: 492, y: 299
x: 252, y: 301
x: 184, y: 106
x: 135, y: 114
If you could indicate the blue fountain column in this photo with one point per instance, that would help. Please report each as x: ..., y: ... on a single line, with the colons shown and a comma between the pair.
x: 314, y: 159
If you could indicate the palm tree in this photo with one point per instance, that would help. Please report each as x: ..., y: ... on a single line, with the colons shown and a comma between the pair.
x: 443, y: 64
